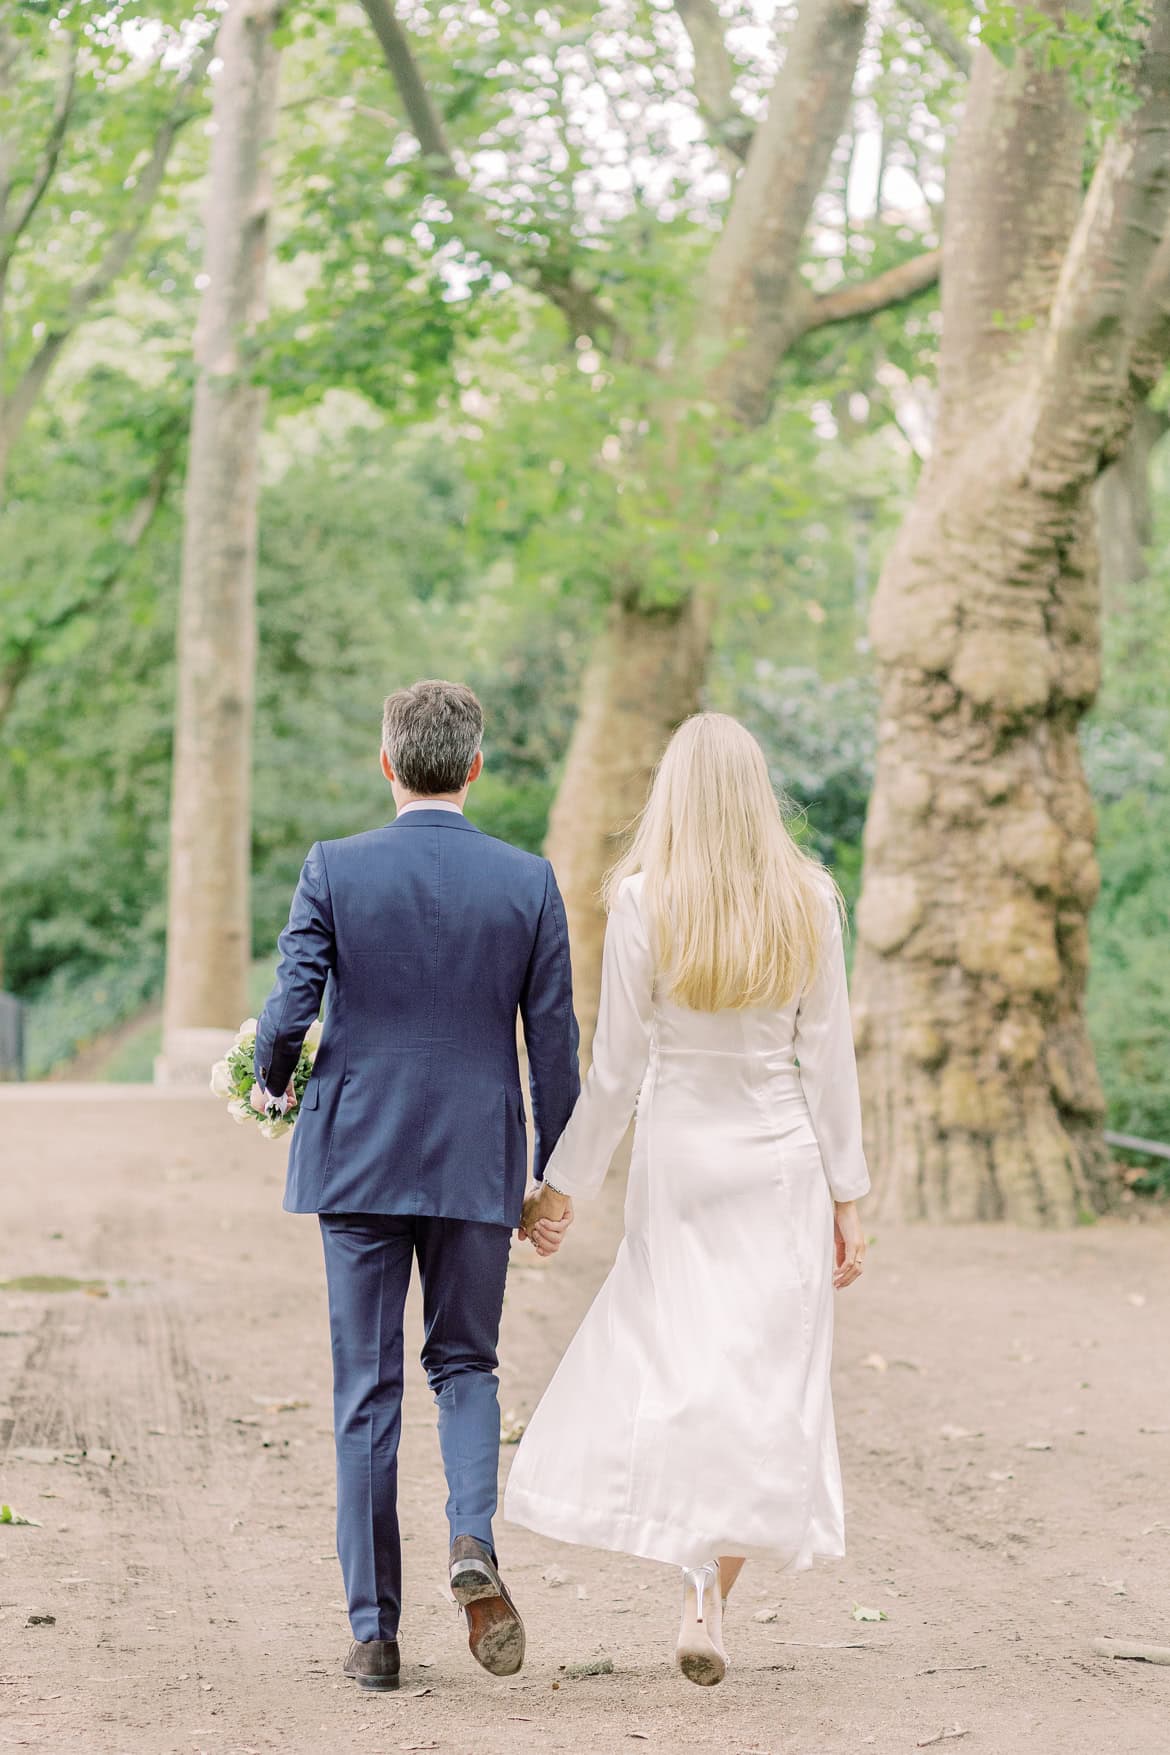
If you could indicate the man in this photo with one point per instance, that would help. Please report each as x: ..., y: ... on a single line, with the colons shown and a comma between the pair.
x: 425, y: 937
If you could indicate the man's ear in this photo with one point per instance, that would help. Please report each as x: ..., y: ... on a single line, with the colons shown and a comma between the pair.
x: 476, y: 768
x: 386, y: 768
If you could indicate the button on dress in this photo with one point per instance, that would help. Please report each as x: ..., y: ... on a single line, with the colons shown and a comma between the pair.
x: 692, y: 1415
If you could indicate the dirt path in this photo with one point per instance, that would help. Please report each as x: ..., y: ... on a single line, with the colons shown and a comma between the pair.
x: 1004, y: 1409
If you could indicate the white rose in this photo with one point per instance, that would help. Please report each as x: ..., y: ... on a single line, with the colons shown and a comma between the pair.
x: 247, y: 1029
x: 239, y: 1110
x: 272, y: 1130
x: 313, y: 1038
x: 221, y: 1079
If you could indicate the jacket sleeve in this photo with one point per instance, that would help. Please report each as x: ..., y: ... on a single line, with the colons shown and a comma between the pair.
x: 828, y: 1069
x: 307, y: 955
x: 551, y: 1036
x: 621, y: 1050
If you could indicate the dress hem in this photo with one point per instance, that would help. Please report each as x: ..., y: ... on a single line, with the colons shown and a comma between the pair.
x: 646, y: 1540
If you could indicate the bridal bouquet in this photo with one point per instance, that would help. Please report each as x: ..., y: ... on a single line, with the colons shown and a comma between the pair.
x: 234, y: 1076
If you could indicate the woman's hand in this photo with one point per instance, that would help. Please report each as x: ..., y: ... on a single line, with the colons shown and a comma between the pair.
x: 849, y: 1243
x: 546, y: 1217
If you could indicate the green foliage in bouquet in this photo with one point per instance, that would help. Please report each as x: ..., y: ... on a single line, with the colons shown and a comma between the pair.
x: 234, y: 1075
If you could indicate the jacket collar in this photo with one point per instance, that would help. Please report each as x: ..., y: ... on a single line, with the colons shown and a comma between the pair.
x: 433, y: 819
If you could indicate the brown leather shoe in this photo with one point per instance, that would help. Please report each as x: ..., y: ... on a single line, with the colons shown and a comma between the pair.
x: 374, y: 1663
x: 495, y: 1632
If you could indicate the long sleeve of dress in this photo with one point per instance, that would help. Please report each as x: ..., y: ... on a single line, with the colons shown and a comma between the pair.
x: 828, y: 1070
x: 621, y: 1049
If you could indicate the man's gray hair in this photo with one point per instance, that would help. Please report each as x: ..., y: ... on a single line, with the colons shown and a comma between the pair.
x: 431, y: 733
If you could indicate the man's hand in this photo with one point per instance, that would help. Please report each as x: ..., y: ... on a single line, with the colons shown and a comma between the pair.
x: 260, y: 1099
x: 546, y: 1217
x: 849, y: 1243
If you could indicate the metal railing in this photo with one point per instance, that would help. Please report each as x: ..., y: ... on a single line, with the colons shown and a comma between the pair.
x: 1129, y: 1142
x: 11, y: 1038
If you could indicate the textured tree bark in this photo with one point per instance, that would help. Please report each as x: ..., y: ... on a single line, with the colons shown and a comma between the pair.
x: 644, y: 676
x: 981, y: 1093
x: 209, y: 927
x: 1125, y: 521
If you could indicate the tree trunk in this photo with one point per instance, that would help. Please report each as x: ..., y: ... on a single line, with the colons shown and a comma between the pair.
x: 1125, y: 522
x: 643, y: 678
x: 209, y: 924
x: 648, y: 667
x: 981, y: 1093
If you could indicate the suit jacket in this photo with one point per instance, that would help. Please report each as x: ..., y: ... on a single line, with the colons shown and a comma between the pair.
x: 425, y: 938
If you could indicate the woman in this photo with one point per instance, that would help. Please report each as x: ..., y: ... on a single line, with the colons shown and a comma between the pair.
x: 690, y: 1420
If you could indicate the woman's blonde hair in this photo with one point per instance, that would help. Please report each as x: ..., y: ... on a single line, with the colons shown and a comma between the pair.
x: 737, y: 909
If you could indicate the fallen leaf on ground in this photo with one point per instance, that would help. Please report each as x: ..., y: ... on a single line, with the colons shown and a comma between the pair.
x: 7, y: 1515
x: 553, y: 1576
x: 765, y: 1615
x: 40, y: 1618
x: 942, y: 1737
x: 863, y: 1614
x: 1116, y: 1585
x: 876, y: 1362
x: 1038, y: 1444
x: 421, y: 1694
x: 281, y: 1404
x: 1000, y: 1475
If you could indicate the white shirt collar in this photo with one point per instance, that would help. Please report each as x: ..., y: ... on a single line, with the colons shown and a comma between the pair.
x: 431, y: 804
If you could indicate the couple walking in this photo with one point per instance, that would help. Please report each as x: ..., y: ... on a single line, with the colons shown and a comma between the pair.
x: 690, y: 1420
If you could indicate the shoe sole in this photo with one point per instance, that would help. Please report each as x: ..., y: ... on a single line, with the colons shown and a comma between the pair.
x: 705, y: 1668
x: 495, y: 1632
x: 379, y: 1684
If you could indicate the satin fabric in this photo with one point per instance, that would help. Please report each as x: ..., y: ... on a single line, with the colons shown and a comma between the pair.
x: 691, y: 1415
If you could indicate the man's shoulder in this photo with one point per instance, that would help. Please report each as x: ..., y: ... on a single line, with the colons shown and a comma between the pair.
x: 535, y: 865
x: 518, y: 861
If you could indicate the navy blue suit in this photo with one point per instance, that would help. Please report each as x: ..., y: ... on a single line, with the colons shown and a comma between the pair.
x: 425, y: 939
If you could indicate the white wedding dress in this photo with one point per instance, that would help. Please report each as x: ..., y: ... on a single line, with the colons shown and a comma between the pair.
x: 691, y: 1415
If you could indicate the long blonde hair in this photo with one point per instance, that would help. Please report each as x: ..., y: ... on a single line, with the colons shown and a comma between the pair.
x: 738, y: 910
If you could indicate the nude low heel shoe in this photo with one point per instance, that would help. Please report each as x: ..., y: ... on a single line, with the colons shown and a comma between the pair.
x: 700, y: 1654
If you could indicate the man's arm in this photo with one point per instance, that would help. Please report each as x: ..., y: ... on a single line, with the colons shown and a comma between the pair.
x: 307, y: 954
x: 550, y: 1028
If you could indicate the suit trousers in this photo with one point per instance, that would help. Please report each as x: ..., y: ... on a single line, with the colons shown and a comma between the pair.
x: 462, y: 1265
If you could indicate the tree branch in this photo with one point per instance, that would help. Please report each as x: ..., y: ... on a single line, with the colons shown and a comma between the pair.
x: 1151, y: 344
x: 50, y: 153
x: 940, y: 32
x: 425, y: 122
x: 714, y: 77
x: 16, y: 408
x: 1078, y: 406
x: 861, y: 298
x: 756, y: 300
x: 578, y: 304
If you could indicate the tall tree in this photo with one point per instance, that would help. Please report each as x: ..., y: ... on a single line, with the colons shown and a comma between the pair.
x: 209, y: 924
x: 981, y: 1091
x: 715, y: 361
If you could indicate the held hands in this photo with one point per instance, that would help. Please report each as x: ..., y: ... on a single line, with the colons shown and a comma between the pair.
x: 262, y: 1101
x: 546, y: 1217
x: 849, y: 1243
